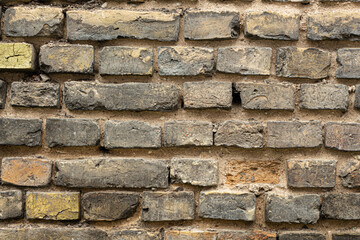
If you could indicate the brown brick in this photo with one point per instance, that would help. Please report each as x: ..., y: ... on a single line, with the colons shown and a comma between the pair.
x: 342, y: 136
x: 246, y: 235
x: 133, y: 235
x: 190, y: 235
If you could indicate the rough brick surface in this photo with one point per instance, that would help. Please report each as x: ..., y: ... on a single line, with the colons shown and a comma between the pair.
x: 15, y: 131
x: 301, y: 236
x: 248, y: 235
x: 357, y: 97
x: 342, y: 136
x: 132, y: 235
x: 348, y: 63
x: 350, y: 174
x: 190, y: 235
x: 345, y: 206
x: 345, y: 236
x: 3, y: 87
x: 11, y: 205
x: 17, y: 56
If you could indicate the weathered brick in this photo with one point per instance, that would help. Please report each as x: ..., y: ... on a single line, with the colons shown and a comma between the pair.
x: 132, y: 134
x: 244, y: 235
x: 345, y: 236
x: 185, y: 61
x: 15, y: 131
x: 301, y: 236
x: 291, y: 1
x: 101, y: 173
x: 33, y: 21
x: 260, y: 96
x: 272, y: 25
x: 119, y: 60
x: 207, y: 94
x: 109, y: 206
x: 324, y: 96
x: 188, y: 133
x: 52, y: 205
x: 168, y: 206
x: 344, y: 206
x: 208, y: 25
x: 132, y: 235
x: 227, y: 205
x: 357, y: 97
x: 11, y: 205
x: 26, y: 94
x: 294, y: 134
x: 190, y: 235
x: 126, y: 96
x: 311, y: 173
x: 240, y: 134
x: 2, y: 93
x: 17, y: 56
x: 66, y: 58
x: 24, y: 171
x: 348, y: 60
x: 334, y: 25
x: 200, y: 172
x: 72, y: 132
x: 342, y: 136
x: 350, y: 174
x: 292, y: 208
x: 244, y: 61
x: 292, y: 62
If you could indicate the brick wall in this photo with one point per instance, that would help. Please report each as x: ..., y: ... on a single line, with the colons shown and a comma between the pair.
x: 179, y: 120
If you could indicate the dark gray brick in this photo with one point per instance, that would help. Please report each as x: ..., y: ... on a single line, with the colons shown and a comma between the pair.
x: 14, y: 131
x: 2, y: 93
x: 11, y: 205
x: 301, y: 236
x: 348, y: 60
x: 344, y: 206
x: 345, y: 236
x: 342, y: 136
x: 350, y: 174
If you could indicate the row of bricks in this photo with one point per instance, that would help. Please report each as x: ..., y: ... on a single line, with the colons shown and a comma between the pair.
x: 291, y: 62
x: 137, y: 134
x: 165, y: 97
x: 165, y: 25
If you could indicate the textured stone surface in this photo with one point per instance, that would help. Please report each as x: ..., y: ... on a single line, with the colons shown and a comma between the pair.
x: 109, y: 24
x: 350, y: 174
x: 260, y: 96
x: 66, y: 58
x: 109, y: 206
x: 168, y: 206
x: 190, y: 235
x: 3, y: 87
x: 17, y: 56
x: 53, y: 205
x: 357, y: 97
x: 342, y: 136
x: 301, y: 236
x: 200, y: 172
x: 126, y: 96
x: 26, y: 171
x: 100, y: 173
x: 72, y: 132
x: 244, y: 61
x: 240, y: 134
x: 207, y: 25
x: 132, y: 134
x: 132, y: 235
x: 227, y: 205
x: 11, y: 205
x: 292, y: 208
x: 345, y: 206
x: 185, y: 61
x: 348, y: 60
x: 272, y: 25
x: 16, y: 131
x: 26, y: 94
x: 292, y: 62
x: 345, y: 236
x: 33, y: 21
x: 208, y: 94
x: 294, y: 134
x: 118, y: 60
x: 251, y: 235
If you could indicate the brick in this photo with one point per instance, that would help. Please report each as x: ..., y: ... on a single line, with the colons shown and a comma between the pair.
x: 227, y: 205
x: 11, y: 205
x: 16, y: 131
x: 260, y: 96
x: 209, y: 25
x: 357, y: 97
x: 185, y: 61
x: 100, y: 25
x: 301, y: 236
x: 345, y: 236
x: 119, y: 60
x: 348, y: 63
x: 132, y: 235
x: 344, y: 206
x: 342, y: 136
x: 103, y: 173
x: 291, y: 1
x: 36, y: 21
x: 24, y: 94
x: 168, y: 206
x: 311, y: 173
x: 350, y: 174
x: 72, y: 132
x: 272, y: 25
x: 244, y: 61
x: 190, y: 235
x: 188, y: 133
x: 207, y: 94
x: 252, y: 235
x: 109, y: 206
x: 335, y: 25
x: 294, y: 134
x: 126, y: 96
x: 132, y: 134
x: 52, y: 205
x: 26, y: 171
x: 66, y: 58
x: 17, y: 56
x: 240, y: 134
x: 199, y: 172
x: 3, y: 91
x: 292, y: 208
x: 324, y: 96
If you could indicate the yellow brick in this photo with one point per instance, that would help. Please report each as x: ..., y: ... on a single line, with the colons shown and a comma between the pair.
x: 52, y: 205
x: 19, y: 56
